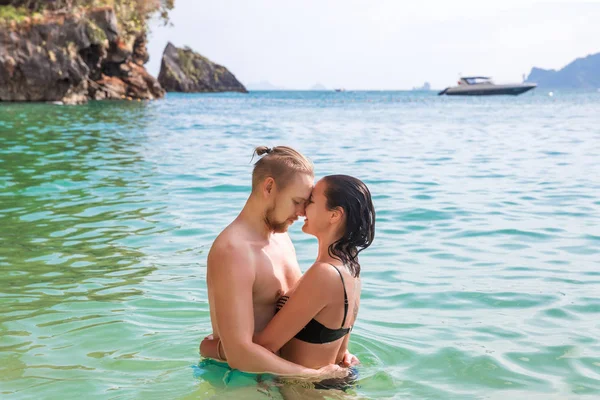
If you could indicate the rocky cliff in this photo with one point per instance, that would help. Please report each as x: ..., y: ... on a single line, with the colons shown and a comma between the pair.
x: 183, y: 70
x: 73, y: 56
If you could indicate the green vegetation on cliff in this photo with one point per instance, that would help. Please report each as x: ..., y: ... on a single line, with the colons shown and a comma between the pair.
x: 17, y: 14
x: 133, y: 15
x: 186, y: 59
x: 76, y: 50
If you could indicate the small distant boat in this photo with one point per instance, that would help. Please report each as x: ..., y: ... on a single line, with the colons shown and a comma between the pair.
x: 483, y: 86
x: 340, y: 90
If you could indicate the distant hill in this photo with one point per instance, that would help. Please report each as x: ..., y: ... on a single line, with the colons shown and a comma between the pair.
x: 318, y: 86
x: 263, y: 85
x: 583, y: 73
x: 426, y: 86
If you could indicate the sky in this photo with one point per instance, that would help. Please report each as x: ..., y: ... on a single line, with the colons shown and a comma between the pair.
x: 380, y: 44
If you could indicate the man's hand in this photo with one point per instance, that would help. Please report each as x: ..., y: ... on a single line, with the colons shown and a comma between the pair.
x: 208, y: 347
x: 349, y: 360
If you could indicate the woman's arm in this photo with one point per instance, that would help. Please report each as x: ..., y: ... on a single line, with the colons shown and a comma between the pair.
x: 311, y: 295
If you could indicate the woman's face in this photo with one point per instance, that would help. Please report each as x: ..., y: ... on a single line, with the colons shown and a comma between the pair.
x: 317, y: 214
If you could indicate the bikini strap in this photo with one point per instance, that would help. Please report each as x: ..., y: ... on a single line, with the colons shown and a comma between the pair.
x: 345, y: 295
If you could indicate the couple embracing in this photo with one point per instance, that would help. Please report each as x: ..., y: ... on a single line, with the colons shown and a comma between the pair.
x: 268, y: 317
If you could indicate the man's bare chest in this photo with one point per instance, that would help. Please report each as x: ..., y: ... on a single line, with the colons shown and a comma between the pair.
x: 274, y: 277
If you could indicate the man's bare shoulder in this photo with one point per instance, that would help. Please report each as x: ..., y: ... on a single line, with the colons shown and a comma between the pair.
x: 231, y: 246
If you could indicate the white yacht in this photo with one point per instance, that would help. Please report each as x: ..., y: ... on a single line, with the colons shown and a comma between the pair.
x: 483, y: 86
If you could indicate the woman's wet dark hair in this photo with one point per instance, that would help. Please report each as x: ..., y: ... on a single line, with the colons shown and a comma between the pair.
x: 353, y: 196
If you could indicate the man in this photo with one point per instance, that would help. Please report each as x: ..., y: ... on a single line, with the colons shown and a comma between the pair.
x: 253, y: 262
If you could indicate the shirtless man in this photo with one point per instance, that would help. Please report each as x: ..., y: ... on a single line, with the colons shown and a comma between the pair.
x: 253, y: 262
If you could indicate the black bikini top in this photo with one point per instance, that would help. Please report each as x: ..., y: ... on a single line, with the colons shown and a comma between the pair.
x: 316, y: 332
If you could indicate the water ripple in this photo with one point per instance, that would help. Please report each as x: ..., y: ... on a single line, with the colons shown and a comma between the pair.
x: 482, y: 282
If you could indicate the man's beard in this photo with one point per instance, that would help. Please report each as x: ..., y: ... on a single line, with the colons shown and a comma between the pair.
x: 275, y: 226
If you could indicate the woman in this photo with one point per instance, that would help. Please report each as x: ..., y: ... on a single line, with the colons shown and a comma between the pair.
x: 313, y: 323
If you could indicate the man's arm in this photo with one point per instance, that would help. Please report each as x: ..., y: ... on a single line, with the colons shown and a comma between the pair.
x: 231, y: 277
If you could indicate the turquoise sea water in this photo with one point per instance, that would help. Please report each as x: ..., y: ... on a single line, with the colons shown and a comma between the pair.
x: 483, y: 281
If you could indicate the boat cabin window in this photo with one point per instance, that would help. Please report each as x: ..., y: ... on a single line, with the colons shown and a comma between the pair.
x: 474, y: 81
